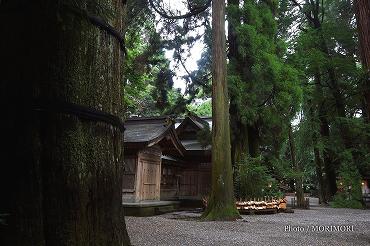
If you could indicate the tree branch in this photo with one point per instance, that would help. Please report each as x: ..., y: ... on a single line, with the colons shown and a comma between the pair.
x: 268, y: 98
x: 295, y: 3
x: 322, y: 11
x: 191, y: 76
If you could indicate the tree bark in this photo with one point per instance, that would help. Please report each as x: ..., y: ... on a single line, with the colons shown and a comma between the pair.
x: 221, y: 204
x: 62, y: 174
x: 362, y: 11
x: 320, y: 182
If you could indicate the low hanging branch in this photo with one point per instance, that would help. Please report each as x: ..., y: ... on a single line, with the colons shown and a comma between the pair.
x: 193, y: 11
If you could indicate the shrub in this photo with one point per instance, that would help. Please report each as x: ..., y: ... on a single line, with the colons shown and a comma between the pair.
x: 349, y: 193
x: 252, y: 180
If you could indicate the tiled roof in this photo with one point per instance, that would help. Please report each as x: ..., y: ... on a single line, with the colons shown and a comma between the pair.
x: 145, y: 129
x: 140, y: 132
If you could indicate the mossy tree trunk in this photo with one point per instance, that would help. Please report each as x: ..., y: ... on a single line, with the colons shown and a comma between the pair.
x: 62, y: 175
x: 221, y: 204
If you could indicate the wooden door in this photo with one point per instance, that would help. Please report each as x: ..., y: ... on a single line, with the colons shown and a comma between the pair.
x: 150, y: 180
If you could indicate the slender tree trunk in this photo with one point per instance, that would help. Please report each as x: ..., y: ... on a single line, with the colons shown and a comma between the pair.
x: 318, y: 159
x: 297, y: 168
x: 62, y: 174
x: 319, y: 175
x: 241, y: 145
x: 221, y: 205
x: 362, y: 10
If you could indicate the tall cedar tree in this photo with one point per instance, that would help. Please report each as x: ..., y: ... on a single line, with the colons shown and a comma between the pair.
x: 221, y: 203
x: 264, y: 91
x: 329, y: 58
x: 61, y: 174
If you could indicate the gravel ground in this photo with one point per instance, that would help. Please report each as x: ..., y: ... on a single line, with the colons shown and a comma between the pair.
x: 317, y: 226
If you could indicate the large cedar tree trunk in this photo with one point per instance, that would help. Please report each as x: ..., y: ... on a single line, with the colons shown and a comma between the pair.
x: 362, y: 10
x: 221, y: 204
x: 61, y: 174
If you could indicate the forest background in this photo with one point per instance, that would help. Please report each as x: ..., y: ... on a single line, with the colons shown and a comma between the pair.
x: 297, y: 88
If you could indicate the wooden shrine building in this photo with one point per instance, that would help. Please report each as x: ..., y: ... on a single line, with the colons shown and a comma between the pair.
x: 164, y: 161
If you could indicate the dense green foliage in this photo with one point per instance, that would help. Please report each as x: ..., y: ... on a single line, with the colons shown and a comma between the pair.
x: 264, y: 90
x: 333, y: 107
x: 149, y: 84
x: 202, y: 109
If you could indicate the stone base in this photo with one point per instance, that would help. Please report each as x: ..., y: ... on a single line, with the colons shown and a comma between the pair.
x: 149, y: 208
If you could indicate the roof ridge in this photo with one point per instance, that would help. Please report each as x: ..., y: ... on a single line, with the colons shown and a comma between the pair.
x: 149, y: 118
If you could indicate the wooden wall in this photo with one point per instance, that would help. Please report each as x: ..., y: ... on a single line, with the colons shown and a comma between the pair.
x: 147, y: 178
x: 190, y: 182
x: 170, y: 181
